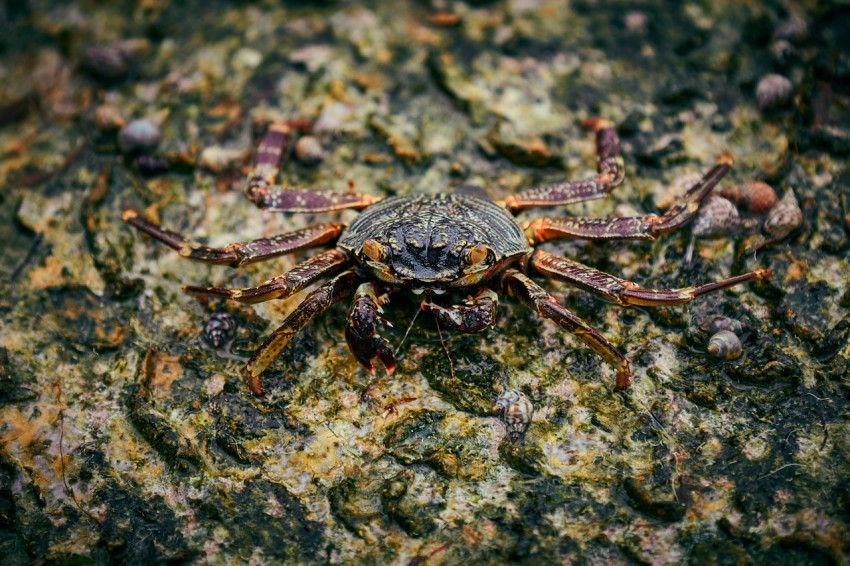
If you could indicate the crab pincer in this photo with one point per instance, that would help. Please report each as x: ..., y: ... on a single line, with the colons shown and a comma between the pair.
x: 361, y: 330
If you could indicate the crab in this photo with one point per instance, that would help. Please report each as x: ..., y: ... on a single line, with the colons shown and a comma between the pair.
x: 462, y: 243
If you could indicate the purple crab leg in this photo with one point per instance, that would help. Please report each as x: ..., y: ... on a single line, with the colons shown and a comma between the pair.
x: 529, y: 292
x: 338, y: 288
x: 262, y: 191
x: 609, y: 164
x: 325, y: 264
x: 625, y: 292
x: 360, y: 329
x: 473, y: 315
x: 237, y: 254
x: 636, y: 228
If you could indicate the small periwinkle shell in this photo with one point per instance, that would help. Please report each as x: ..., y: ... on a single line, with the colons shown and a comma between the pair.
x: 111, y: 61
x: 716, y: 217
x: 720, y: 323
x: 794, y: 28
x: 107, y: 118
x: 138, y: 135
x: 308, y: 150
x: 755, y: 197
x: 106, y: 61
x: 219, y: 328
x: 783, y: 218
x: 516, y: 411
x: 219, y: 159
x: 773, y: 91
x: 725, y: 345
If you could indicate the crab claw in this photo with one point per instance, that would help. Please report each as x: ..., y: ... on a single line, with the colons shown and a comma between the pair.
x: 360, y: 331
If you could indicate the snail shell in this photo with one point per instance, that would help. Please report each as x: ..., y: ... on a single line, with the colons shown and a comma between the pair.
x: 516, y: 411
x: 716, y: 217
x: 719, y: 323
x: 725, y: 345
x: 219, y: 328
x: 755, y: 197
x: 783, y: 218
x: 773, y: 91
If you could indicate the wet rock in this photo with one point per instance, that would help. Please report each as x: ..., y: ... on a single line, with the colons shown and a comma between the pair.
x: 522, y: 149
x: 357, y: 503
x: 471, y: 387
x: 84, y: 320
x: 524, y: 457
x: 414, y: 501
x: 420, y: 438
x: 765, y: 364
x: 655, y: 501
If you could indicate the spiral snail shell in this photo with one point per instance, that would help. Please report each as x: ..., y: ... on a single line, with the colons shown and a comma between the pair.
x: 716, y: 217
x: 725, y: 345
x: 755, y: 197
x: 219, y: 328
x: 516, y: 410
x: 783, y: 218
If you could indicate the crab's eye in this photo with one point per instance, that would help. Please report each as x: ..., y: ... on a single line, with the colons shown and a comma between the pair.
x: 373, y: 250
x: 477, y: 254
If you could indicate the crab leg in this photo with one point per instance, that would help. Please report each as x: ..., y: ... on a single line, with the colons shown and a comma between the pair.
x: 318, y: 301
x: 237, y: 254
x: 609, y: 164
x: 475, y: 314
x: 625, y: 292
x: 636, y: 228
x: 546, y: 306
x: 325, y: 264
x: 360, y: 329
x: 262, y: 191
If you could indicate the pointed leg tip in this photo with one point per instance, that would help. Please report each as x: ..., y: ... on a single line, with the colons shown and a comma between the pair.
x: 725, y: 159
x: 255, y: 385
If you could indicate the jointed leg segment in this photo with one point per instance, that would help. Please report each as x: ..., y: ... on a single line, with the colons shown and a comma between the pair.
x: 318, y: 301
x: 325, y: 264
x: 625, y: 292
x: 637, y: 228
x: 262, y: 191
x: 361, y: 329
x: 529, y: 292
x: 475, y: 314
x: 609, y: 163
x: 239, y: 253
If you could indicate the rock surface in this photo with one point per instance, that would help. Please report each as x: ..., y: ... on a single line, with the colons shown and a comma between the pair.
x: 125, y: 437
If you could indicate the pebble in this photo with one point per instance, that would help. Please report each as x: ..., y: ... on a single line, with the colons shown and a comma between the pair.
x: 773, y: 91
x: 138, y: 135
x: 218, y: 159
x: 308, y: 150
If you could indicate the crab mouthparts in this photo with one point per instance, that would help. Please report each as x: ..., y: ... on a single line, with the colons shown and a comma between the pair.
x: 422, y: 290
